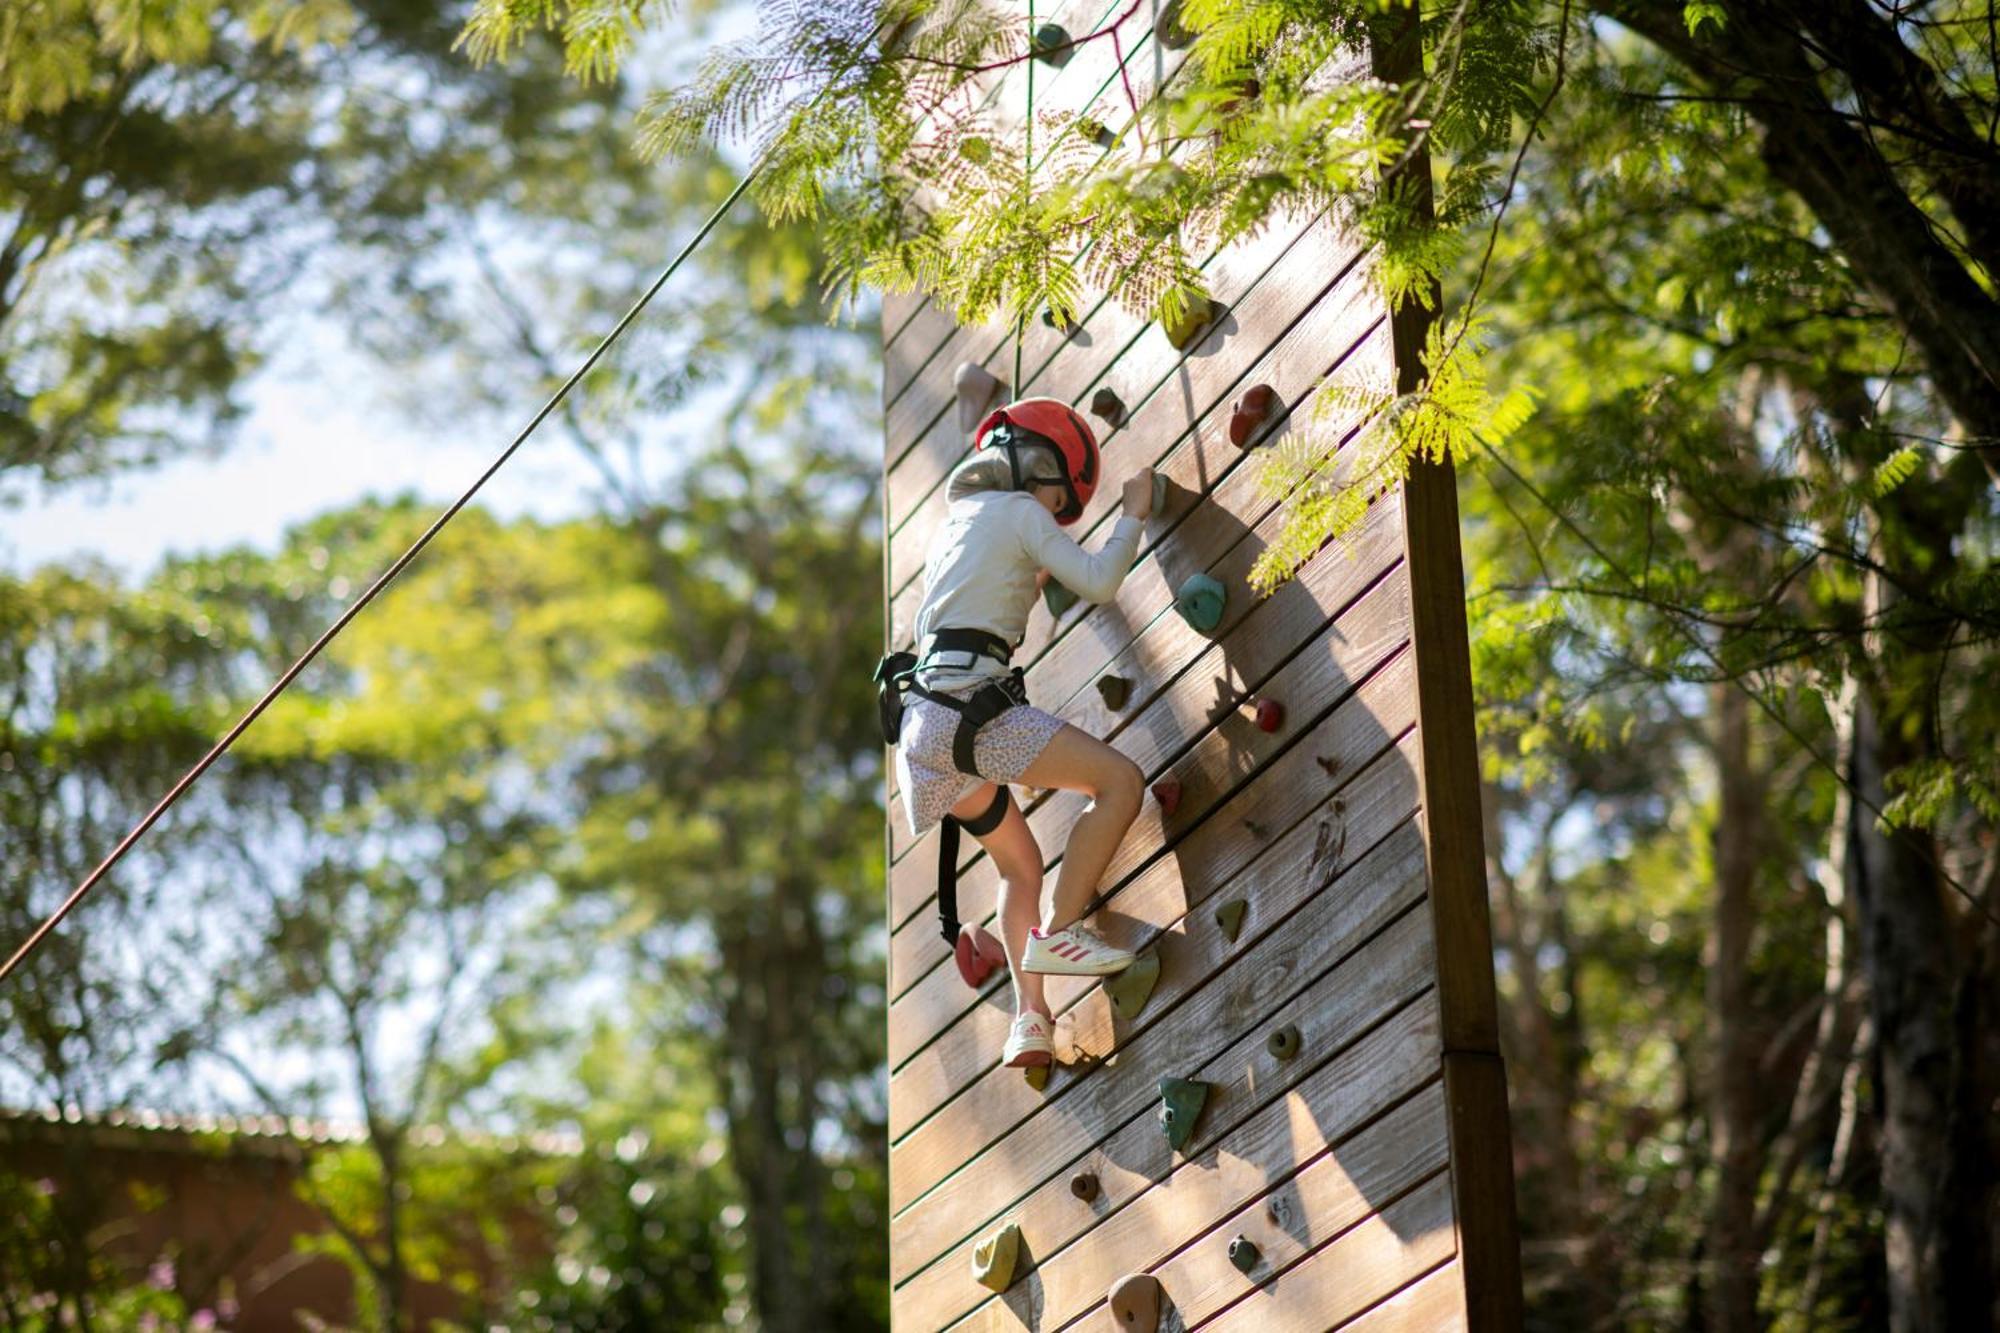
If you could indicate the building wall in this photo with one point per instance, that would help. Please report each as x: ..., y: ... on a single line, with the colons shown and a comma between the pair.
x: 1371, y: 1171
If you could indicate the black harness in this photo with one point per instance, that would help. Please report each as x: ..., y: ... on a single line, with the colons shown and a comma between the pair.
x: 895, y: 676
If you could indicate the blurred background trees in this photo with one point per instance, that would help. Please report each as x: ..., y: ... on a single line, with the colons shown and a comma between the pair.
x: 578, y: 829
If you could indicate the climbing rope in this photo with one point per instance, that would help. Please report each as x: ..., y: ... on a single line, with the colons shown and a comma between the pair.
x: 1027, y: 182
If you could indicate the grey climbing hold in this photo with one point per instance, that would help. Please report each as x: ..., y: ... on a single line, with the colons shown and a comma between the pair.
x: 1167, y: 27
x: 1135, y: 1303
x: 993, y: 1259
x: 1083, y: 1185
x: 1108, y: 407
x: 1243, y: 1254
x: 1200, y: 602
x: 1116, y: 691
x: 1057, y: 598
x: 1230, y: 917
x: 1162, y: 488
x: 1129, y: 990
x: 1181, y: 1100
x: 977, y: 388
x: 1284, y: 1042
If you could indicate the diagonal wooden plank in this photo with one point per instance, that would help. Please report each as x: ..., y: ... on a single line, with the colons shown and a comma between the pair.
x: 1360, y: 1268
x: 1368, y: 931
x: 1250, y: 1171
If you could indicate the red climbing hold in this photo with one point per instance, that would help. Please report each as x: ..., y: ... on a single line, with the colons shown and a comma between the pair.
x: 1251, y: 414
x: 978, y: 955
x: 1168, y: 793
x: 1268, y: 714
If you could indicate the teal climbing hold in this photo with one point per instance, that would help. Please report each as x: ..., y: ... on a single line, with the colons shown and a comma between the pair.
x: 1181, y: 1100
x: 1200, y: 602
x: 1057, y: 598
x: 1243, y: 1253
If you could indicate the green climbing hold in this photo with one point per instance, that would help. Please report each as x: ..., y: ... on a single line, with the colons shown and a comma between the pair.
x: 1243, y: 1254
x: 1057, y: 598
x: 993, y: 1259
x: 1230, y: 917
x: 1181, y: 1100
x: 1193, y: 322
x: 1052, y: 45
x: 1284, y: 1042
x: 1129, y: 990
x: 1200, y: 602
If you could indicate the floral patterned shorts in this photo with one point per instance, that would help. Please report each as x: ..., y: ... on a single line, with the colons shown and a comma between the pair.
x: 932, y: 784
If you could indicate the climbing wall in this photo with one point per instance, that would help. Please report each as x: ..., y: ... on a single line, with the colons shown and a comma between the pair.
x: 1306, y: 874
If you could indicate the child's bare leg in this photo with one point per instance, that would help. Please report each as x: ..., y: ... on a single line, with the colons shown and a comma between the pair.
x: 1075, y: 760
x: 1018, y: 860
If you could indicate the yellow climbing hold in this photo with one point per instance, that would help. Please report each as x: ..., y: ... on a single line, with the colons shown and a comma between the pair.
x: 993, y: 1259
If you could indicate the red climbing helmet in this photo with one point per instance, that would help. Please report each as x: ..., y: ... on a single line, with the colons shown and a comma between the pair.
x: 1049, y: 422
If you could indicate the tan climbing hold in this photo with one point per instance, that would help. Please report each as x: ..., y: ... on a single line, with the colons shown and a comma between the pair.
x: 1129, y: 990
x: 1229, y: 916
x: 1135, y: 1303
x: 993, y: 1259
x: 977, y: 388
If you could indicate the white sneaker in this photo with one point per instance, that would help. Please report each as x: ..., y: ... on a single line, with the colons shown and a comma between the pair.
x: 1030, y: 1042
x: 1073, y: 951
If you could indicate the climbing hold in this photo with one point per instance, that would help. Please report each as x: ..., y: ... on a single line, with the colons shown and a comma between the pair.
x: 1167, y: 27
x: 1167, y: 792
x: 976, y: 387
x: 1250, y: 416
x: 1129, y: 990
x: 1037, y: 1076
x: 1200, y: 602
x: 1243, y: 1254
x: 1162, y: 488
x: 1268, y: 714
x: 993, y: 1258
x: 978, y: 955
x: 1284, y: 1042
x: 1057, y: 598
x: 1096, y: 131
x: 1256, y: 829
x: 1181, y: 1100
x: 1083, y: 1185
x: 1115, y: 691
x: 1135, y: 1303
x: 1197, y: 317
x: 1052, y: 45
x: 1058, y: 323
x: 1230, y: 917
x: 1109, y: 407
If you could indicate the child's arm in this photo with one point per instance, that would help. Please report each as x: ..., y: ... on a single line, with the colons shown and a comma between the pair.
x: 1095, y: 577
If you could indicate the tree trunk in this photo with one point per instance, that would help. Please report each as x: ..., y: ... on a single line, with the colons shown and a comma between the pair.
x: 1734, y: 1105
x: 1841, y: 173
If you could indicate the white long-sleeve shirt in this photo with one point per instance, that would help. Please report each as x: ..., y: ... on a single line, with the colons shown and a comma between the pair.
x: 982, y: 567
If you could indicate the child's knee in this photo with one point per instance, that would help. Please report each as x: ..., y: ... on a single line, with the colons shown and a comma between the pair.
x: 1124, y: 788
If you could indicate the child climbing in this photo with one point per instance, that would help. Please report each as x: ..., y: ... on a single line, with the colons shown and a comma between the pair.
x: 968, y: 731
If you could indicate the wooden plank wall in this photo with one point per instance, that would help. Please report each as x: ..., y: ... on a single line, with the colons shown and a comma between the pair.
x: 1373, y: 1171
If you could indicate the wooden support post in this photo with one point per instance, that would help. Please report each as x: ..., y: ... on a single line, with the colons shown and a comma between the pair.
x: 1481, y: 1141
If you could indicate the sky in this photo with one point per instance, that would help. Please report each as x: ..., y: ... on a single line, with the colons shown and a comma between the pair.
x: 319, y: 434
